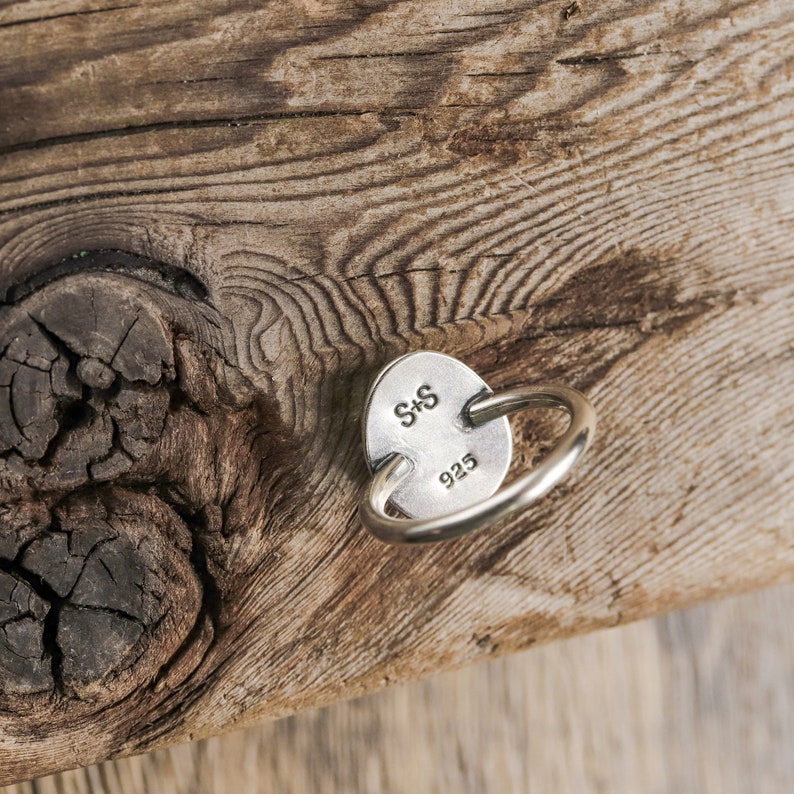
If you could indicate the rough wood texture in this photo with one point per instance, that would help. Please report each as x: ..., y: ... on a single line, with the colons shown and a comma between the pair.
x: 697, y: 702
x: 218, y: 220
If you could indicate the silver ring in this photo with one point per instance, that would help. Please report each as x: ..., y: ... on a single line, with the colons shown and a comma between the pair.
x: 522, y: 492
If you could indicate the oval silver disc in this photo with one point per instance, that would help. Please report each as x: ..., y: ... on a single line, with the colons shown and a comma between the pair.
x: 416, y: 406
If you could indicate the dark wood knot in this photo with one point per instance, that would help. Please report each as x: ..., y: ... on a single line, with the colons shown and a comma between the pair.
x: 126, y: 432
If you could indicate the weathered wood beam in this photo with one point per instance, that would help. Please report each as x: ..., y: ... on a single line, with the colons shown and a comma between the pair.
x: 217, y: 221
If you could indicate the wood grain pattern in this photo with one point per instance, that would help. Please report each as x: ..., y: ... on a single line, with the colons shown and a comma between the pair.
x: 603, y: 198
x: 697, y: 702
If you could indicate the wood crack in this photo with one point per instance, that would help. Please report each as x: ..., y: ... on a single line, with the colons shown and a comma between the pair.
x: 71, y: 14
x: 175, y: 124
x: 593, y: 59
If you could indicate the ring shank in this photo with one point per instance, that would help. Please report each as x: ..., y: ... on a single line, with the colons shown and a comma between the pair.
x: 523, y: 491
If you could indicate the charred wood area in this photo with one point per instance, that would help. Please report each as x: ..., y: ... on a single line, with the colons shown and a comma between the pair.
x: 125, y: 439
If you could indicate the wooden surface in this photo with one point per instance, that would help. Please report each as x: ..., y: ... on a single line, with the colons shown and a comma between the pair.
x: 235, y: 213
x: 698, y: 702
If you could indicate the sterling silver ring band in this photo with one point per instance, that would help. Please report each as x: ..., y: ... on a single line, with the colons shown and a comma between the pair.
x: 522, y: 492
